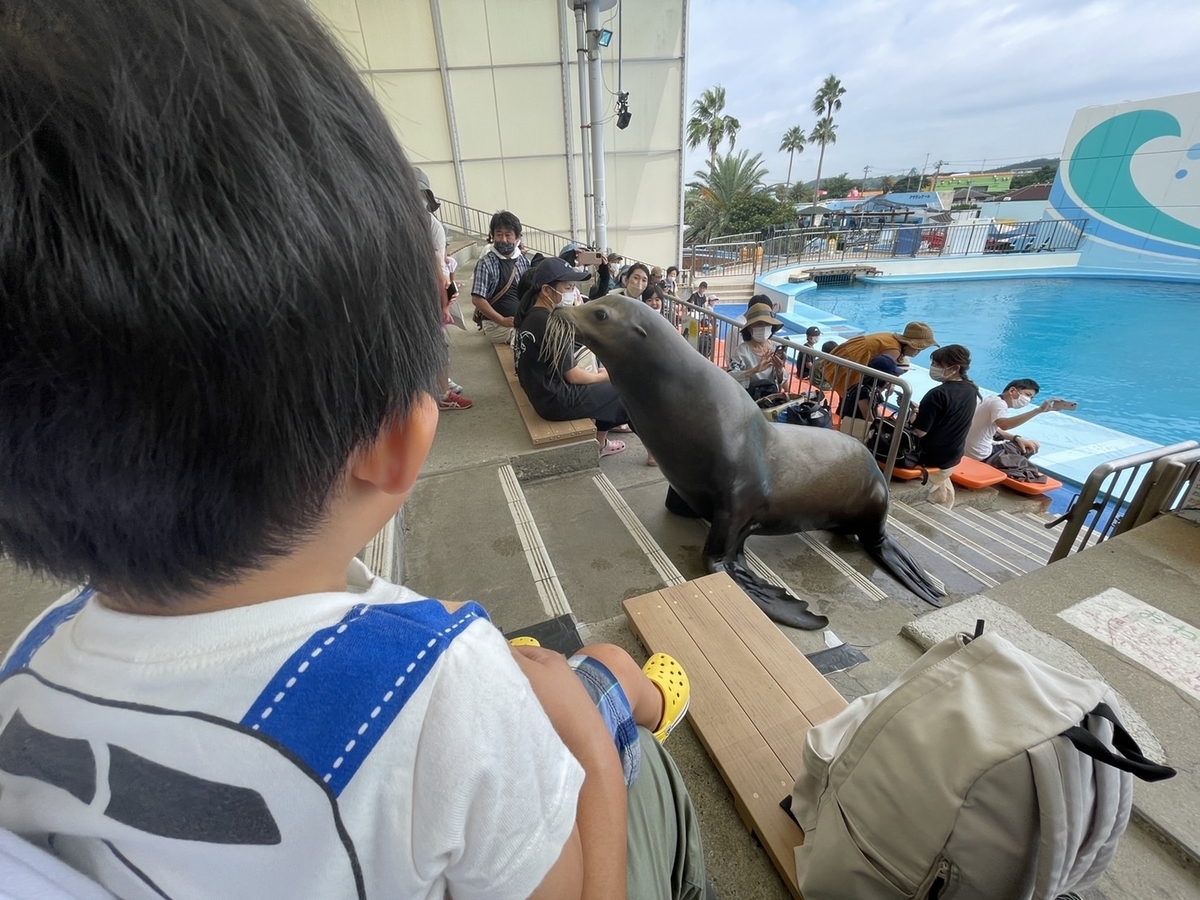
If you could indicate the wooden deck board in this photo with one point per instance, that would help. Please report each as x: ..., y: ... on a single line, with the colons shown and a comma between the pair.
x: 754, y: 697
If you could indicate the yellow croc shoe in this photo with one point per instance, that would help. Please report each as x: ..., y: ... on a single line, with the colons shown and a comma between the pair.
x: 668, y: 675
x: 525, y: 641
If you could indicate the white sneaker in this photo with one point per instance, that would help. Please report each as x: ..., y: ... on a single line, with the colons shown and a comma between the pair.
x: 455, y: 386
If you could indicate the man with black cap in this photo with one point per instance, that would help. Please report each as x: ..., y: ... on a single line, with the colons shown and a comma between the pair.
x: 559, y: 389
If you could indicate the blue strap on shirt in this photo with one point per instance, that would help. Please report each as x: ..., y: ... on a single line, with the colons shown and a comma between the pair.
x: 334, y: 698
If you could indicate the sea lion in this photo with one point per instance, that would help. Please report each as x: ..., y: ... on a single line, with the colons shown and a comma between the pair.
x: 726, y: 463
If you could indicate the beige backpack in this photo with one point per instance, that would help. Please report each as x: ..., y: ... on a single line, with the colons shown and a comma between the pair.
x: 981, y: 773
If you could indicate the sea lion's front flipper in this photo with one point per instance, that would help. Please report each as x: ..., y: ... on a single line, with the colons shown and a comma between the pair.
x: 907, y: 570
x: 677, y: 505
x: 779, y: 605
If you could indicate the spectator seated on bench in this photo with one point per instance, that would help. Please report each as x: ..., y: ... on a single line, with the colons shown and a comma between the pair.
x: 558, y: 389
x: 542, y: 432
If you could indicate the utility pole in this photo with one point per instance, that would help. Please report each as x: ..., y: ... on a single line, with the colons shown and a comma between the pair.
x: 923, y: 168
x: 866, y: 169
x: 937, y: 171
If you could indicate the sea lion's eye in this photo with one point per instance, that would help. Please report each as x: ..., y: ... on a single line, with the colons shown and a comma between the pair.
x: 601, y: 315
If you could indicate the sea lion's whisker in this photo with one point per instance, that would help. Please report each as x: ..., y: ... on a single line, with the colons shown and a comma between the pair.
x: 559, y: 341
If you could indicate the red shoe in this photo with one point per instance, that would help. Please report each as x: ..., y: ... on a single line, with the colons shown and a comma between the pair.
x: 453, y: 400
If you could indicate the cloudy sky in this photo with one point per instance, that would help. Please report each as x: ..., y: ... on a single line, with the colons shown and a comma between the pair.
x: 959, y: 80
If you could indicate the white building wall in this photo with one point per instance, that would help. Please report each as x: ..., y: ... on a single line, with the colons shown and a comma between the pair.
x: 494, y: 123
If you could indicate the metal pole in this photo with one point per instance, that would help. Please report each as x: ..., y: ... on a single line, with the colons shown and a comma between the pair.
x: 596, y: 96
x: 572, y: 191
x: 448, y: 96
x: 585, y: 139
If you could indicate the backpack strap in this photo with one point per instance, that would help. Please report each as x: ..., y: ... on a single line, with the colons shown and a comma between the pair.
x: 1128, y: 756
x: 337, y: 694
x: 512, y: 276
x: 43, y: 629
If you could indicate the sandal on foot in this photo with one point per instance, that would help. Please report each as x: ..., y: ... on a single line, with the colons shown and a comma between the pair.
x: 610, y: 447
x: 668, y: 676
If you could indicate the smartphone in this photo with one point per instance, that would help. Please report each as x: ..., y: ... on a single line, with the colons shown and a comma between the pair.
x: 588, y: 258
x: 1066, y: 404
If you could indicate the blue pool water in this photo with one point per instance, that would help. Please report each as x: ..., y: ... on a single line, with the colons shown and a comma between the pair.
x: 1127, y: 351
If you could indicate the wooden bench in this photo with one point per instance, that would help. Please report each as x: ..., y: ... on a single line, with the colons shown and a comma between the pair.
x: 754, y: 697
x: 542, y: 432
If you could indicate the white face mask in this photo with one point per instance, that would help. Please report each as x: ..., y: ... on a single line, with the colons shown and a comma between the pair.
x: 1022, y: 401
x: 568, y: 298
x: 760, y: 333
x: 937, y: 373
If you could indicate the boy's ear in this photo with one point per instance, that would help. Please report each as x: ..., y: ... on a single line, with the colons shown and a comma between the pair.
x: 393, y: 460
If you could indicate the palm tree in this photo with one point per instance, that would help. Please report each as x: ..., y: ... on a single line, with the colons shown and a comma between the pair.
x: 824, y: 132
x: 708, y: 125
x: 710, y: 198
x: 887, y: 184
x: 792, y: 143
x: 826, y: 102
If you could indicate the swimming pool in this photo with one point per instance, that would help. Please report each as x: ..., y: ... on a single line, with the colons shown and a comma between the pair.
x: 1127, y: 351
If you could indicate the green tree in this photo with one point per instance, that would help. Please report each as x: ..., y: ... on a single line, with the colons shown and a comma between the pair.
x: 824, y: 132
x: 710, y: 199
x: 709, y: 125
x: 754, y: 212
x: 838, y: 186
x: 826, y: 102
x: 792, y: 143
x: 887, y: 184
x: 1044, y: 175
x: 800, y: 193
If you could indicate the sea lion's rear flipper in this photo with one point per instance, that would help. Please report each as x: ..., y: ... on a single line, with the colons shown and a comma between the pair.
x: 907, y: 570
x: 677, y: 505
x: 777, y: 603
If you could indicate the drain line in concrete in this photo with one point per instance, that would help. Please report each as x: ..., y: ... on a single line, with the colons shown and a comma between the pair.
x: 661, y: 562
x: 545, y: 579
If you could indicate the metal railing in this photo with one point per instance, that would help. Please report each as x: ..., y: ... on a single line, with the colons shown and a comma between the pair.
x: 475, y: 222
x: 1123, y: 493
x: 754, y: 254
x: 807, y: 373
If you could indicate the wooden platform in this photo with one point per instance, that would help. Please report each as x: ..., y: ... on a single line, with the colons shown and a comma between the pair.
x: 754, y: 697
x: 542, y: 432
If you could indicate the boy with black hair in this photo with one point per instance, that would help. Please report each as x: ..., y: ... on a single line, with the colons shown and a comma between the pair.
x: 495, y: 290
x: 219, y: 351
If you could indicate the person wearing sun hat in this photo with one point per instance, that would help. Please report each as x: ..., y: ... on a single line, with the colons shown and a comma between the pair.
x: 917, y: 336
x: 559, y: 389
x: 754, y: 364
